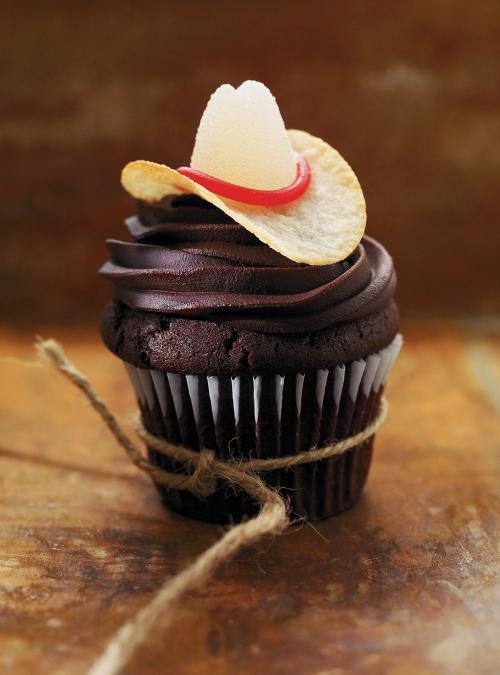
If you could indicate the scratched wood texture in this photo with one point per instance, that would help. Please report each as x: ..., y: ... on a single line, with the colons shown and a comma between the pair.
x: 407, y: 583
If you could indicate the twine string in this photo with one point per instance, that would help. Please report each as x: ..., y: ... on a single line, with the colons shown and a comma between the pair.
x: 204, y: 470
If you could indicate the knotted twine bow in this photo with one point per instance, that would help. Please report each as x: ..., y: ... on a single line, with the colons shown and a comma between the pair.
x: 204, y: 470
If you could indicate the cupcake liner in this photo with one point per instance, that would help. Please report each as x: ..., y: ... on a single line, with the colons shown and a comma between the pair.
x: 268, y: 416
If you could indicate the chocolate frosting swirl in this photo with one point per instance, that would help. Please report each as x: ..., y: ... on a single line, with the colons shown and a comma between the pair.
x: 189, y: 259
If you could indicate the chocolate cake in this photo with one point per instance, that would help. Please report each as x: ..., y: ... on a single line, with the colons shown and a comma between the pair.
x: 197, y: 295
x: 253, y: 315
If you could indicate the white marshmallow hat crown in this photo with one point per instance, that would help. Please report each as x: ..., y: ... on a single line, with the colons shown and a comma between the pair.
x: 242, y: 140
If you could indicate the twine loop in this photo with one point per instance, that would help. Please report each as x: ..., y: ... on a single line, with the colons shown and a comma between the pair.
x: 203, y: 469
x: 206, y: 467
x: 203, y: 482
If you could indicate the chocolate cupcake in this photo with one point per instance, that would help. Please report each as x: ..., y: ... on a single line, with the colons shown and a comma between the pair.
x: 248, y: 338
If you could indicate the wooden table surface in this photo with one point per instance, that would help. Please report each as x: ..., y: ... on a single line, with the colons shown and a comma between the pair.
x: 406, y: 583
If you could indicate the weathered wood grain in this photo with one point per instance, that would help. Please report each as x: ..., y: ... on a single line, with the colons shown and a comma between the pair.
x: 407, y: 583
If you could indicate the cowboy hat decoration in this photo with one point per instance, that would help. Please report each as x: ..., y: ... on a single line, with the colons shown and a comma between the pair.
x: 290, y: 189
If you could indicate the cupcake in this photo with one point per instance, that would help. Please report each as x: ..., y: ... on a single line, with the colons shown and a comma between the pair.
x: 253, y: 315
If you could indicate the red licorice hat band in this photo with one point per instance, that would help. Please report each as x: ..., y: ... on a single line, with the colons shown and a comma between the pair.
x: 249, y: 195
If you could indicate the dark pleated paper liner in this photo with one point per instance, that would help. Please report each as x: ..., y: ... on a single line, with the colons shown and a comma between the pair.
x: 269, y: 416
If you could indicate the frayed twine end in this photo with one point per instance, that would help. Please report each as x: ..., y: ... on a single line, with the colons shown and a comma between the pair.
x: 50, y: 352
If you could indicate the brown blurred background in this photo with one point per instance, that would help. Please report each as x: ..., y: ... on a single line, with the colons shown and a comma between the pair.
x: 407, y: 91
